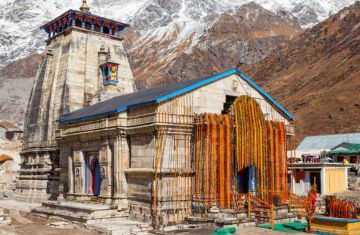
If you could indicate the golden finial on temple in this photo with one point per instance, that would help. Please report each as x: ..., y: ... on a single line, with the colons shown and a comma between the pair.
x: 85, y: 7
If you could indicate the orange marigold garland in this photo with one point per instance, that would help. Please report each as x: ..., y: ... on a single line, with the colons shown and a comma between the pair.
x: 213, y: 160
x: 255, y: 142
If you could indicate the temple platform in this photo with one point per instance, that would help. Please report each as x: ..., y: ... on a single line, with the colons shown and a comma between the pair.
x: 86, y: 213
x: 335, y: 226
x: 239, y: 219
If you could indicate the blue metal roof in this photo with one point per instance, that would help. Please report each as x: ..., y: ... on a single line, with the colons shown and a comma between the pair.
x: 157, y: 95
x: 326, y: 142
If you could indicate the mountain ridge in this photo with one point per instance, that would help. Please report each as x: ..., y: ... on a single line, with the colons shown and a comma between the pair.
x: 316, y: 75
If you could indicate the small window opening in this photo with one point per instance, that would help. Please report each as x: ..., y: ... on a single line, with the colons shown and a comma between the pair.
x: 227, y: 105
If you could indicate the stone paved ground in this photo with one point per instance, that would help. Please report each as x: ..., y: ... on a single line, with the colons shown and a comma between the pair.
x: 240, y: 231
x: 24, y: 223
x: 14, y: 205
x: 262, y: 231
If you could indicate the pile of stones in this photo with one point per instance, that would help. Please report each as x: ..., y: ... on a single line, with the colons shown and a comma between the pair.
x: 354, y: 183
x: 4, y: 218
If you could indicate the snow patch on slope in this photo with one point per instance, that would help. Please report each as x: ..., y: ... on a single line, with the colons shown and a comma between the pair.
x: 182, y: 19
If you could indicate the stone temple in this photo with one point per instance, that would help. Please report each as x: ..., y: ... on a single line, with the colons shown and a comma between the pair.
x: 163, y: 155
x: 80, y: 65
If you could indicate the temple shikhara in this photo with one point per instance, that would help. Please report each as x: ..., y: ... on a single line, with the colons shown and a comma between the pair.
x: 84, y: 63
x: 164, y: 155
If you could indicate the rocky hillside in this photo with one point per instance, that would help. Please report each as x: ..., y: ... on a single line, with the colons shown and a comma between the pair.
x: 243, y: 37
x: 317, y: 75
x: 22, y: 68
x: 14, y: 95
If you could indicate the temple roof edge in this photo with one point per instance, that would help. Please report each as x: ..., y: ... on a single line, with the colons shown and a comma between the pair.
x: 70, y: 13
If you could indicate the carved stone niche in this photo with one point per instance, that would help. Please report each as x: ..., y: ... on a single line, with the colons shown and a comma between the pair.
x: 54, y: 159
x: 103, y: 172
x: 46, y: 159
x: 104, y: 179
x: 24, y: 160
x: 78, y: 180
x: 77, y: 171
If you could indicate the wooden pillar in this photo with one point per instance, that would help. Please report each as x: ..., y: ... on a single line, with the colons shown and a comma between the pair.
x: 92, y: 25
x: 110, y: 29
x: 48, y: 31
x: 55, y: 29
x: 73, y: 19
x: 121, y: 29
x: 61, y: 25
x: 68, y: 19
x: 101, y: 26
x: 322, y: 180
x: 346, y: 172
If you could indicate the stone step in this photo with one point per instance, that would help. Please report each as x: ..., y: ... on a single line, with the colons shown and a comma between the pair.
x: 122, y: 226
x: 78, y: 217
x: 290, y: 217
x: 80, y: 212
x: 88, y: 208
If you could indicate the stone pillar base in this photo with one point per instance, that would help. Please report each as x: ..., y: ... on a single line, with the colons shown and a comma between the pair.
x: 33, y: 196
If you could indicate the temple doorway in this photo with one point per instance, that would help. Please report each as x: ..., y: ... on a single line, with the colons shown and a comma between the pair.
x: 92, y: 182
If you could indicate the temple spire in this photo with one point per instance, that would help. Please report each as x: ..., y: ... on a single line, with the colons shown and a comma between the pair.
x: 85, y: 7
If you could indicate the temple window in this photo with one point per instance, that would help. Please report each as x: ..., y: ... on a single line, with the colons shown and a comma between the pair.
x: 110, y: 73
x: 78, y: 23
x: 114, y: 31
x: 97, y: 28
x: 87, y: 26
x: 106, y: 30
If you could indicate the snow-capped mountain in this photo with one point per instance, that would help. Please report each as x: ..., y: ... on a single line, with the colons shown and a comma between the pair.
x: 187, y: 19
x: 321, y: 8
x: 218, y: 42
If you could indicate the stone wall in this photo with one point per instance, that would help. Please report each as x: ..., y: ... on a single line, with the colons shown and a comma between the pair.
x: 143, y: 150
x: 4, y: 218
x: 211, y: 98
x: 113, y: 155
